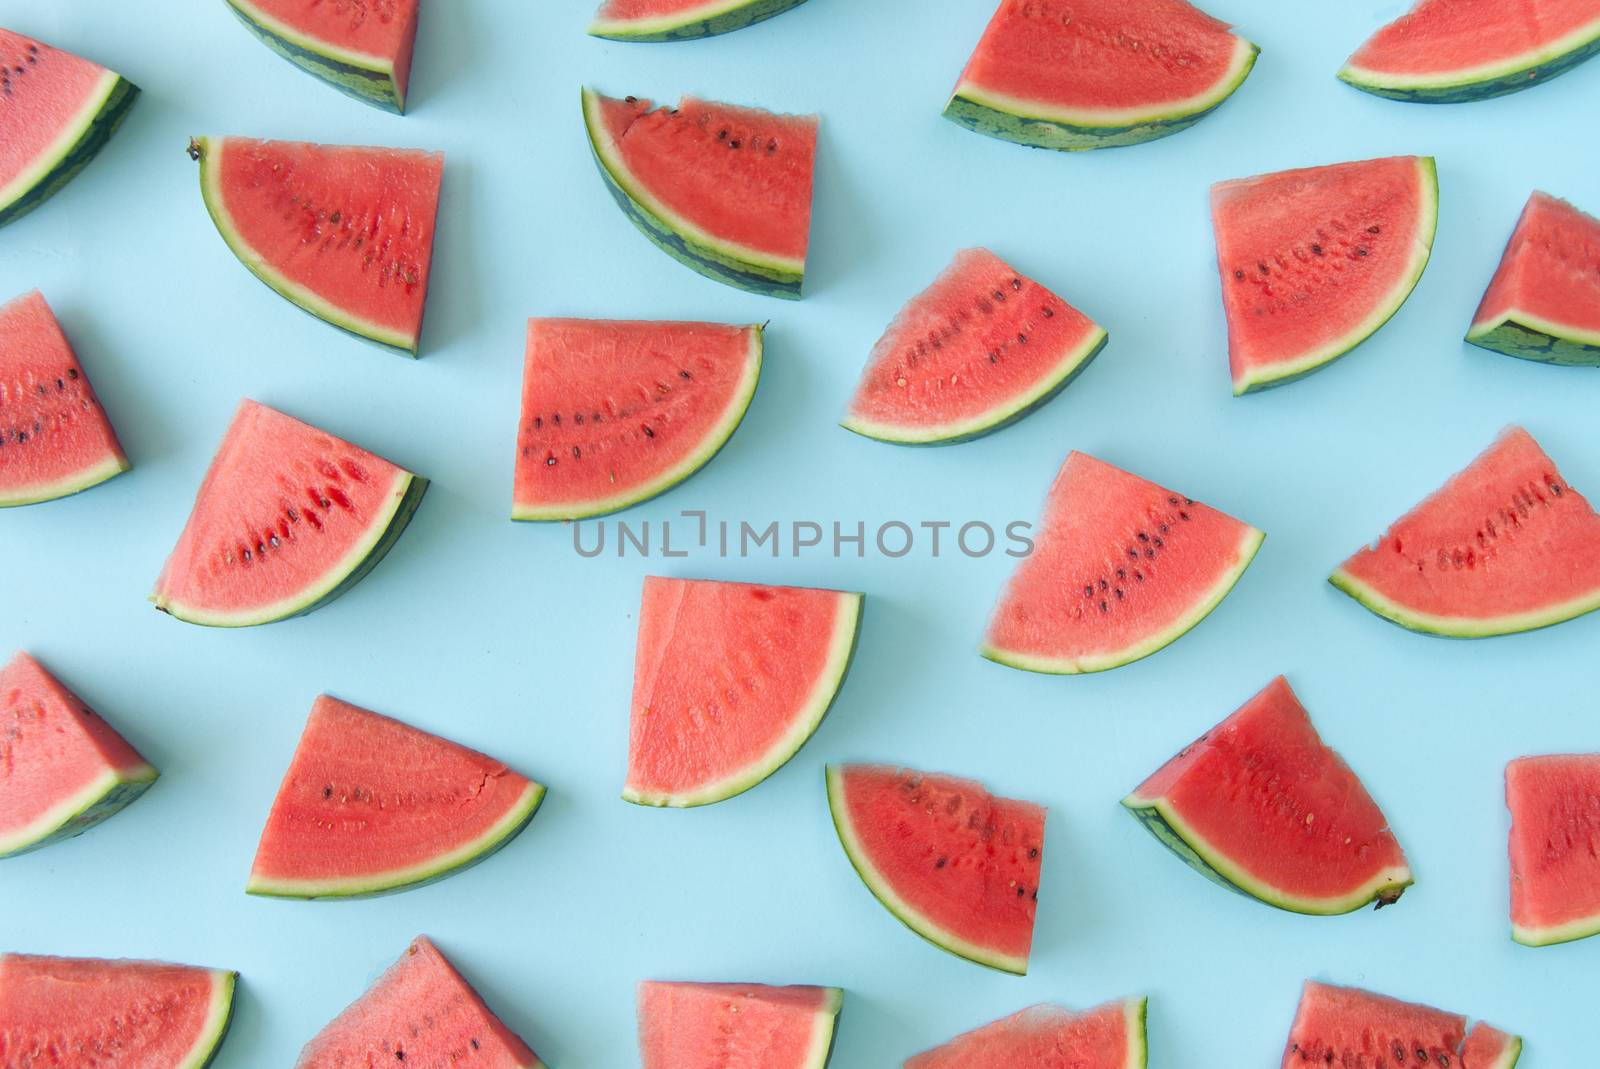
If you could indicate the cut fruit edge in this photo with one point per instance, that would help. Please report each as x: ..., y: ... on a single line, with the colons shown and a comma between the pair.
x: 1573, y: 930
x: 78, y: 481
x: 1466, y: 78
x: 1461, y: 626
x: 841, y: 651
x: 1509, y: 1054
x: 106, y: 97
x: 1527, y: 321
x: 1136, y: 1010
x: 824, y: 1023
x: 315, y: 50
x: 737, y: 14
x: 219, y: 1015
x: 63, y: 813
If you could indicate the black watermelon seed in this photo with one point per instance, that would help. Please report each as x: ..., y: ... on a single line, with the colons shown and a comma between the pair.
x: 1016, y: 283
x: 1138, y: 576
x: 575, y: 453
x: 994, y: 357
x: 1033, y: 852
x: 734, y: 143
x: 1157, y: 543
x: 1361, y: 250
x: 722, y: 134
x: 1316, y: 250
x: 681, y: 374
x: 327, y: 792
x: 1021, y: 891
x: 538, y: 422
x: 649, y: 432
x: 549, y: 462
x: 1133, y: 553
x: 1119, y: 593
x: 1238, y: 273
x: 1183, y: 515
x: 1047, y: 312
x: 1088, y: 590
x: 631, y: 100
x: 941, y: 863
x: 1022, y: 339
x: 1104, y: 584
x: 1104, y: 607
x: 1263, y: 267
x: 1143, y: 537
x: 1374, y: 228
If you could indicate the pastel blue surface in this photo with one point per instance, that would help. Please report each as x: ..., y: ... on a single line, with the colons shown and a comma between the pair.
x: 500, y: 636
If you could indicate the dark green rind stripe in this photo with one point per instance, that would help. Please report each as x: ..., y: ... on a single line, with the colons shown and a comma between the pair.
x: 94, y: 138
x: 1157, y: 825
x: 1514, y: 339
x: 107, y: 805
x: 227, y: 1023
x: 1462, y: 93
x: 745, y: 15
x: 366, y: 85
x: 833, y: 1033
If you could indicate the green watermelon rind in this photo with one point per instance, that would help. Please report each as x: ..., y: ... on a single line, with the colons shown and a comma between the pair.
x: 1545, y: 936
x: 93, y: 475
x: 1137, y: 1009
x: 1514, y: 73
x: 1531, y: 337
x: 367, y: 78
x: 104, y: 797
x: 78, y: 142
x: 219, y: 1018
x: 1509, y: 1054
x: 707, y: 20
x: 824, y: 1031
x: 1462, y: 626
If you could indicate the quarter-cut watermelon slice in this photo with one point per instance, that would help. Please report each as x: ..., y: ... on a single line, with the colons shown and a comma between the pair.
x: 1506, y: 545
x: 957, y: 865
x: 55, y: 438
x: 287, y: 518
x: 981, y: 347
x: 614, y: 413
x: 680, y: 20
x: 1122, y: 569
x: 1555, y: 829
x: 1097, y: 74
x: 1490, y: 1048
x: 1111, y: 1036
x: 345, y: 233
x: 56, y: 112
x: 1445, y: 51
x: 371, y: 805
x: 62, y: 768
x: 694, y: 1026
x: 81, y: 1012
x: 363, y: 49
x: 1544, y: 301
x: 725, y: 190
x: 1263, y: 806
x: 1314, y: 260
x: 1340, y: 1026
x: 420, y: 1012
x: 729, y: 681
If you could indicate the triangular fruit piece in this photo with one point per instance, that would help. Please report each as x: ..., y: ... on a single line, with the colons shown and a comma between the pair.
x: 1544, y: 301
x: 1263, y: 806
x: 1097, y: 74
x: 371, y: 805
x: 615, y: 412
x: 680, y: 20
x: 1122, y: 568
x: 693, y: 1026
x: 421, y: 1012
x: 981, y: 347
x: 729, y: 681
x: 345, y: 233
x: 62, y: 768
x: 55, y: 438
x: 59, y: 112
x: 1555, y: 824
x: 1342, y: 1025
x: 1111, y: 1036
x: 361, y: 49
x: 1506, y: 545
x: 82, y: 1012
x: 957, y: 865
x: 287, y: 518
x: 1490, y: 1048
x: 1314, y: 260
x: 725, y: 190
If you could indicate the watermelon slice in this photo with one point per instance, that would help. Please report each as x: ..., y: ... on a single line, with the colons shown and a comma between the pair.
x: 1445, y: 51
x: 1490, y: 1048
x: 1141, y: 566
x: 680, y: 20
x: 1506, y: 545
x: 371, y: 805
x: 421, y: 1012
x: 345, y: 233
x: 1107, y: 1037
x: 1341, y: 1026
x: 1096, y: 74
x: 695, y: 1026
x: 62, y: 768
x: 55, y: 438
x: 957, y: 865
x: 729, y: 681
x: 287, y: 518
x: 614, y: 413
x: 1544, y: 301
x: 1555, y: 847
x: 1314, y: 260
x: 1261, y: 805
x: 78, y: 1013
x: 980, y: 348
x: 56, y: 112
x: 363, y: 48
x: 725, y: 190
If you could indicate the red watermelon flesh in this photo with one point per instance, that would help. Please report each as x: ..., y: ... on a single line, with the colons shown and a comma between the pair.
x: 735, y: 1026
x: 1555, y: 847
x: 1111, y: 1036
x: 1445, y: 42
x: 1549, y: 277
x: 1341, y: 1026
x: 958, y: 865
x: 421, y: 1012
x: 378, y: 33
x: 729, y: 681
x: 1490, y: 1048
x: 370, y: 804
x: 55, y: 438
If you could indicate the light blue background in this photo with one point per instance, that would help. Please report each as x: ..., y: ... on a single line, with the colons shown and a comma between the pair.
x: 500, y: 636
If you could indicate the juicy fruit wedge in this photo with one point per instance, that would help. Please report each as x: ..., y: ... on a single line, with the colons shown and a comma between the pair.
x: 1139, y: 566
x: 725, y: 190
x: 421, y: 1012
x: 1261, y: 805
x: 1347, y: 1026
x: 361, y: 49
x: 692, y: 1026
x: 345, y: 233
x: 1490, y: 1048
x: 287, y: 518
x: 371, y: 805
x: 681, y: 20
x: 614, y: 413
x: 957, y: 865
x: 71, y: 1012
x: 1544, y: 301
x: 729, y: 681
x: 1314, y: 260
x: 55, y: 438
x: 62, y: 768
x: 1111, y: 1036
x: 1506, y: 545
x: 981, y: 347
x: 1555, y: 824
x: 58, y: 111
